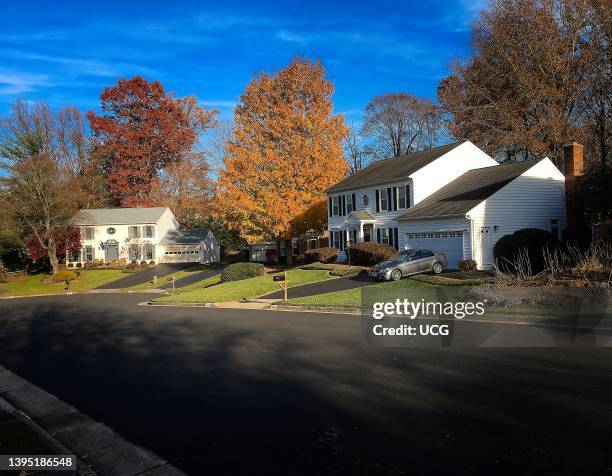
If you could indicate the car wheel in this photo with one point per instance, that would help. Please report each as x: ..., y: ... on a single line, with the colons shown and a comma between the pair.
x: 437, y: 268
x: 396, y: 275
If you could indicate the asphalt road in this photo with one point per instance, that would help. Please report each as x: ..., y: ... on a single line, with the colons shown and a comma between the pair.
x: 141, y: 277
x: 339, y: 284
x: 243, y: 392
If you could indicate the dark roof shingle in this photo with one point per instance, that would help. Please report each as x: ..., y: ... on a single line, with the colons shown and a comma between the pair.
x: 188, y: 236
x: 465, y: 192
x: 391, y: 170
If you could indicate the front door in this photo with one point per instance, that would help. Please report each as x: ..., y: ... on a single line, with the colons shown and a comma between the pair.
x: 485, y: 247
x: 367, y: 233
x: 111, y: 251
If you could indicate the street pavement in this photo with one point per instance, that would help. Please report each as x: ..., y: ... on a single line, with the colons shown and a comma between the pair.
x: 250, y: 392
x: 141, y: 277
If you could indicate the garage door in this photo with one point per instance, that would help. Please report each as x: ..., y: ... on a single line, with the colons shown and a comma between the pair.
x: 449, y: 243
x: 182, y: 255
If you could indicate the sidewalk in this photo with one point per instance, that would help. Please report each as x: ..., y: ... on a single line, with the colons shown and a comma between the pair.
x: 99, y: 450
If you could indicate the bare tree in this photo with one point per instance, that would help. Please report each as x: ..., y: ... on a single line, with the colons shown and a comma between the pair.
x: 39, y: 172
x: 400, y: 124
x: 222, y: 133
x: 355, y: 151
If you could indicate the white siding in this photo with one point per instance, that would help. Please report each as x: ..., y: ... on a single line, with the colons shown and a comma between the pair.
x: 530, y: 201
x: 447, y: 168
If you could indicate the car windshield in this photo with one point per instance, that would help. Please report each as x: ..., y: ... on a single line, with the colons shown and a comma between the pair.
x: 405, y: 255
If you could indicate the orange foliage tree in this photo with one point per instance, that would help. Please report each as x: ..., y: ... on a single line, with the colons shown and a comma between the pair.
x: 286, y: 151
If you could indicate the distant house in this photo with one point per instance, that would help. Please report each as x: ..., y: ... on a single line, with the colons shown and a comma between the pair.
x: 453, y: 199
x: 266, y: 250
x: 140, y: 234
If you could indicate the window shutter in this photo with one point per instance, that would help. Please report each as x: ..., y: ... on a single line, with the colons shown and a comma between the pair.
x: 330, y: 238
x: 394, y: 198
x: 396, y: 238
x: 377, y: 200
x: 330, y: 208
x: 354, y: 203
x: 377, y: 235
x: 343, y: 205
x: 407, y: 196
x: 389, y: 202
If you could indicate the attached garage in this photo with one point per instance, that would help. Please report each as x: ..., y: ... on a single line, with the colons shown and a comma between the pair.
x: 448, y: 242
x: 196, y: 245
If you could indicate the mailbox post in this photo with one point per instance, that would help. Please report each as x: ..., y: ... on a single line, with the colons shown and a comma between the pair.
x: 281, y: 280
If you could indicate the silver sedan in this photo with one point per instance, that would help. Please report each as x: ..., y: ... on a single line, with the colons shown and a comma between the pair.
x: 408, y: 262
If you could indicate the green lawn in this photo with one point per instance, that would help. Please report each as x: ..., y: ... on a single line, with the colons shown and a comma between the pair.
x: 33, y: 284
x: 352, y: 297
x: 247, y: 288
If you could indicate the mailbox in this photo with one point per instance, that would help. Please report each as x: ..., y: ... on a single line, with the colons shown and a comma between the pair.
x: 278, y: 277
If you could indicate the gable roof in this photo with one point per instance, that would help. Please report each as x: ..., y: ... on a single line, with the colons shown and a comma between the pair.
x: 117, y: 216
x: 465, y: 192
x: 392, y: 170
x: 184, y: 237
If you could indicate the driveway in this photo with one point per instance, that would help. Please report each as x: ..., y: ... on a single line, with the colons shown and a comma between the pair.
x: 243, y: 392
x: 338, y: 284
x: 141, y: 277
x: 195, y: 277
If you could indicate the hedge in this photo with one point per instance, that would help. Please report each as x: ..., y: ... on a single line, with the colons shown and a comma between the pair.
x: 531, y: 239
x: 239, y: 271
x: 326, y: 254
x: 468, y: 265
x: 370, y: 253
x: 64, y: 275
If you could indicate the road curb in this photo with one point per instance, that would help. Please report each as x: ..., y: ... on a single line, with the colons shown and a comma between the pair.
x: 99, y: 450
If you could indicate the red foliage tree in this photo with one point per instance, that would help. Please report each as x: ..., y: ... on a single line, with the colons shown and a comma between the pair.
x: 66, y: 238
x: 143, y: 130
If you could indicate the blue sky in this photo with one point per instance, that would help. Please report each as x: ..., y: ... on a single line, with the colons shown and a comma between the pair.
x: 66, y: 52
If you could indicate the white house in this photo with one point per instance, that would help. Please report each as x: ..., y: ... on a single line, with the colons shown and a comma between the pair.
x: 140, y: 234
x: 453, y: 199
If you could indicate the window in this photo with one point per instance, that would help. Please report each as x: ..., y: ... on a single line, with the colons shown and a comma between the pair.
x: 148, y: 251
x: 384, y: 235
x: 336, y: 236
x: 134, y: 232
x: 88, y: 233
x: 384, y: 204
x: 296, y: 250
x: 554, y: 228
x: 74, y: 256
x: 349, y: 203
x: 135, y: 253
x: 149, y: 231
x: 88, y: 253
x: 110, y: 230
x: 365, y: 200
x: 401, y: 197
x: 336, y: 206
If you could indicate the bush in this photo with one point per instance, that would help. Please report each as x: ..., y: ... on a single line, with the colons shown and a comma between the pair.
x: 122, y: 262
x: 531, y: 240
x: 327, y: 254
x: 70, y: 265
x: 239, y: 271
x: 3, y: 273
x: 79, y: 265
x: 151, y: 263
x: 144, y: 263
x: 370, y: 253
x: 64, y: 275
x: 468, y: 265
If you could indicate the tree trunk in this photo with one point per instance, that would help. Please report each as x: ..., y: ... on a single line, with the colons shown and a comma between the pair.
x: 53, y: 261
x: 289, y: 252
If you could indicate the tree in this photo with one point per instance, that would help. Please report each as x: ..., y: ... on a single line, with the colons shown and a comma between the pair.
x: 67, y: 239
x: 401, y: 124
x: 536, y: 80
x: 144, y: 130
x: 286, y: 151
x: 355, y: 152
x: 39, y: 176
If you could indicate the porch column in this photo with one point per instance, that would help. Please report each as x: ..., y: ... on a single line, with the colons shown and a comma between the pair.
x: 360, y: 236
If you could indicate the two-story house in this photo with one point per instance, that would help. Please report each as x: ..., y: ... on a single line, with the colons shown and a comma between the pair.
x: 140, y: 234
x: 453, y: 199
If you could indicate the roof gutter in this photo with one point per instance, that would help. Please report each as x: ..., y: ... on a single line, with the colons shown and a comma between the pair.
x: 431, y: 217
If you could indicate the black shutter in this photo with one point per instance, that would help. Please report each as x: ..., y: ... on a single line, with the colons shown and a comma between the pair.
x: 390, y: 235
x: 389, y: 203
x: 330, y: 238
x: 407, y: 196
x: 396, y: 239
x: 377, y: 201
x: 377, y: 235
x: 394, y: 198
x: 330, y: 206
x: 343, y: 205
x: 354, y: 203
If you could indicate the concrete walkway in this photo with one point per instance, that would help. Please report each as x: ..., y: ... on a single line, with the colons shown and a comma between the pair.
x: 339, y: 284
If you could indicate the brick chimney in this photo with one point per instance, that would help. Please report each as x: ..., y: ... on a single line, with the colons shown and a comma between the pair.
x: 573, y: 164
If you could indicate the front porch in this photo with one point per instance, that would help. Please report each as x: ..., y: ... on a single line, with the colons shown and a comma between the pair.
x: 359, y: 227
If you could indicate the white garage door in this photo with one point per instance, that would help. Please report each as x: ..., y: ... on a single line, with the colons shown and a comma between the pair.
x: 449, y: 243
x: 182, y: 255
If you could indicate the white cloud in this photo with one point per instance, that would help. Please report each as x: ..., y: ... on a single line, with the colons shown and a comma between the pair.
x: 14, y: 83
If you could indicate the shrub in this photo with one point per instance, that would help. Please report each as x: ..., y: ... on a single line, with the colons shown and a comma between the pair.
x: 239, y: 271
x: 327, y: 254
x: 79, y: 265
x: 70, y: 265
x: 122, y: 262
x: 467, y: 265
x: 370, y: 253
x: 90, y: 264
x: 509, y: 248
x: 3, y: 273
x: 144, y: 263
x: 64, y: 275
x: 151, y: 263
